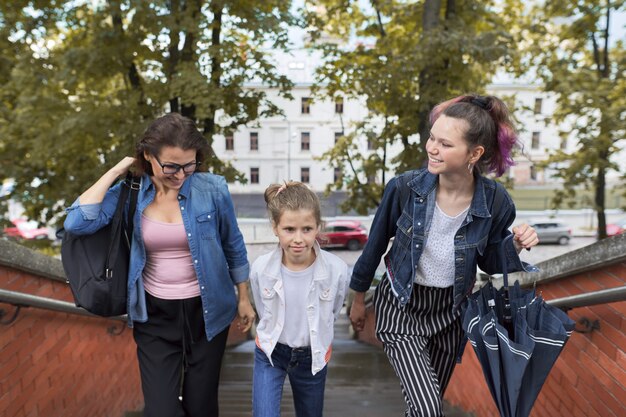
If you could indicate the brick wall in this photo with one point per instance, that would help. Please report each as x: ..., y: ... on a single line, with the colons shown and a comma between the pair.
x: 589, y: 378
x: 56, y: 364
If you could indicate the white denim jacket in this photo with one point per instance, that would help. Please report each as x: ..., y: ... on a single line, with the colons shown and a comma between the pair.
x: 324, y: 302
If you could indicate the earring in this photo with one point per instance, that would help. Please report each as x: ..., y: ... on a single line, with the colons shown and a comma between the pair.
x: 470, y: 167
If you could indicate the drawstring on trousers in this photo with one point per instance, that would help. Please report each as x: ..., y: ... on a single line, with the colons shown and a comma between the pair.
x: 186, y: 327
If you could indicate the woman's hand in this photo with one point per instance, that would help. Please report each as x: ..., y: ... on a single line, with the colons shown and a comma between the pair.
x: 357, y: 311
x: 122, y: 167
x: 95, y: 193
x: 525, y: 237
x: 244, y: 308
x: 246, y: 315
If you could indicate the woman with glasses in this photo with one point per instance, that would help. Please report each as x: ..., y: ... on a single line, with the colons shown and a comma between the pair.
x: 187, y: 257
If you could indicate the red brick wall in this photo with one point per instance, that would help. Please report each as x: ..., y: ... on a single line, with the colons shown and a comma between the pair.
x: 588, y: 379
x: 58, y: 364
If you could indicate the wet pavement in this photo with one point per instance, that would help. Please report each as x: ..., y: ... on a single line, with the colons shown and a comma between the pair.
x: 360, y: 381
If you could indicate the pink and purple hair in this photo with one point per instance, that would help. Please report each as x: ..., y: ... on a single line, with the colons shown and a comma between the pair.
x: 490, y: 126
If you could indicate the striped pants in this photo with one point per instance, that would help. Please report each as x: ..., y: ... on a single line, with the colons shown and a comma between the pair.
x: 421, y: 340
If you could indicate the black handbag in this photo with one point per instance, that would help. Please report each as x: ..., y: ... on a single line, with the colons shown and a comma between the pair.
x: 96, y: 265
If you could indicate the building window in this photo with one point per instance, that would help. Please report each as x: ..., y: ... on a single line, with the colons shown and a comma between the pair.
x: 296, y: 65
x: 564, y: 143
x: 371, y: 179
x: 338, y: 174
x: 306, y: 105
x: 254, y: 175
x: 535, y: 140
x: 305, y: 175
x: 337, y: 136
x: 254, y: 141
x: 229, y: 142
x: 370, y: 144
x: 538, y: 105
x: 533, y: 173
x: 305, y: 141
x: 339, y: 105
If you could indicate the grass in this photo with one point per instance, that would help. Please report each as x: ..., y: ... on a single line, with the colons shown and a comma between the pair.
x: 541, y: 199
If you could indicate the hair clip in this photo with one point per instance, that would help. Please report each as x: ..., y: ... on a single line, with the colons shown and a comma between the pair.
x: 282, y: 187
x: 480, y: 102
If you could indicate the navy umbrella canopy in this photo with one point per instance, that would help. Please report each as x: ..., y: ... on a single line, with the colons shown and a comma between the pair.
x: 517, y: 338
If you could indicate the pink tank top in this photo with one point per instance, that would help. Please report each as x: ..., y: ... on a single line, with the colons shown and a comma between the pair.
x: 168, y: 273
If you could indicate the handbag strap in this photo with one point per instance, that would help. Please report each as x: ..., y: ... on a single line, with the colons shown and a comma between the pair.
x: 117, y: 231
x: 133, y: 183
x: 130, y: 186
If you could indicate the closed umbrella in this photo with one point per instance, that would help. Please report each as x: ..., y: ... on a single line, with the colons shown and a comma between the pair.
x: 517, y: 338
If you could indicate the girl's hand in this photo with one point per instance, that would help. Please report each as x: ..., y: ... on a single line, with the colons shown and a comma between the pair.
x: 246, y: 315
x: 525, y: 237
x: 357, y: 312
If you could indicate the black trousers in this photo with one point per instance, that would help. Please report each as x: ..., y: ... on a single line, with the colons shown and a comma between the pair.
x: 179, y: 368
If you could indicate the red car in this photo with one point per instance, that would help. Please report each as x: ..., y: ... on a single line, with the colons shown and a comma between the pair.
x: 349, y: 234
x: 614, y: 229
x: 25, y: 229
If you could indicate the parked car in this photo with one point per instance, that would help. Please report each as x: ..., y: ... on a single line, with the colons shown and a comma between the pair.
x: 619, y: 227
x: 26, y: 229
x: 349, y: 234
x: 552, y: 232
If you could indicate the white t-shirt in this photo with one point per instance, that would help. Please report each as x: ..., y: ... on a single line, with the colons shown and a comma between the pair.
x: 296, y: 288
x: 436, y: 265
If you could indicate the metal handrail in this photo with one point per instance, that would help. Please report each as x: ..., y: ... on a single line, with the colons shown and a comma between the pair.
x: 28, y: 300
x: 610, y: 295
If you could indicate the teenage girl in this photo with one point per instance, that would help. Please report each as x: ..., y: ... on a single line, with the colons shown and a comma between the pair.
x: 446, y: 220
x: 298, y: 291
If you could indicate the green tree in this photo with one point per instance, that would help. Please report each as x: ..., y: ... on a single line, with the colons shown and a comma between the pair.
x: 568, y: 43
x: 404, y: 57
x: 81, y: 79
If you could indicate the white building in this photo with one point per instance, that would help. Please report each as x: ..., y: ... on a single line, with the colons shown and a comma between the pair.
x: 281, y: 148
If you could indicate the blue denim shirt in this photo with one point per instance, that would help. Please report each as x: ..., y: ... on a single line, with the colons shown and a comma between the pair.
x: 476, y: 242
x: 216, y: 244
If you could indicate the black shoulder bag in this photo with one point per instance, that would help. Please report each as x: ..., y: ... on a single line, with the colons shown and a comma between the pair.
x: 96, y: 265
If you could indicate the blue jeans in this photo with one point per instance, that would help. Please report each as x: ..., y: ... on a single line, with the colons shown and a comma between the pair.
x: 268, y: 381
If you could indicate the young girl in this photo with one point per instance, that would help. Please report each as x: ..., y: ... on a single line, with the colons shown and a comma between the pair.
x: 446, y: 220
x: 298, y: 291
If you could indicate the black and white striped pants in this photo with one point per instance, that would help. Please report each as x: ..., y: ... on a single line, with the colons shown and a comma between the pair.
x: 421, y: 341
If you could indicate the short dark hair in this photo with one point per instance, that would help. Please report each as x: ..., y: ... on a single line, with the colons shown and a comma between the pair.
x: 172, y: 130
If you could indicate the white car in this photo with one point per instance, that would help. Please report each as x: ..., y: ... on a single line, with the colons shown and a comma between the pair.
x: 552, y: 232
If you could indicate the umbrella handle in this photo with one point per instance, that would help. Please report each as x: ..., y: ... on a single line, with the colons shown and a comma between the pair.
x: 502, y: 253
x: 507, y: 315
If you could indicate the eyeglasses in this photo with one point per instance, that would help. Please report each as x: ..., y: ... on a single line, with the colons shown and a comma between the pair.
x: 170, y: 169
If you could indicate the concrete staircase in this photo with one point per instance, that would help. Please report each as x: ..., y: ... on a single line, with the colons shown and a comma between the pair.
x: 360, y: 381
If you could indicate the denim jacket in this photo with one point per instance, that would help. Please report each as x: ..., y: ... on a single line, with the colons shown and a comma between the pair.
x: 476, y: 242
x: 216, y: 244
x: 324, y: 301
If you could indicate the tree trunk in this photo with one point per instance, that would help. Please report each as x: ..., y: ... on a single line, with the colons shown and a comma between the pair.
x: 208, y: 127
x: 132, y: 74
x: 600, y: 185
x: 430, y: 22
